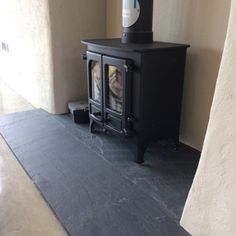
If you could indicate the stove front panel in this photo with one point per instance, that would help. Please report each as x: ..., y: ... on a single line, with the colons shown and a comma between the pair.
x: 109, y: 82
x: 117, y: 74
x: 95, y: 87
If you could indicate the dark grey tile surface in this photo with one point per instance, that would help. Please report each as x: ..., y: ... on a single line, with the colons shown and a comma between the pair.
x: 91, y: 181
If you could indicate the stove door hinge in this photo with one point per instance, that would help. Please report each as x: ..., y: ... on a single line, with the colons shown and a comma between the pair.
x: 126, y: 131
x: 130, y: 119
x: 128, y: 67
x: 84, y: 57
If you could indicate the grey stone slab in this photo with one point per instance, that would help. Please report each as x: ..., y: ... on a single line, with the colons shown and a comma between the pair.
x: 12, y: 118
x: 91, y: 181
x: 166, y: 175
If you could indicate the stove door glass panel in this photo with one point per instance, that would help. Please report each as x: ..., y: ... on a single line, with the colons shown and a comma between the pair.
x: 115, y: 89
x: 96, y: 81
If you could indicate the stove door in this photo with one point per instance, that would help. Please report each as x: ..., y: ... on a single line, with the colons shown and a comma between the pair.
x: 95, y: 86
x: 117, y: 74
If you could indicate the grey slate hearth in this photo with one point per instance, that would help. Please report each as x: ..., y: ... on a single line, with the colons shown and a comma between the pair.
x: 91, y: 181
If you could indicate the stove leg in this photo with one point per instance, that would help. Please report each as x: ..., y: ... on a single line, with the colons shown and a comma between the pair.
x: 177, y: 144
x: 140, y: 155
x: 91, y: 126
x: 141, y: 148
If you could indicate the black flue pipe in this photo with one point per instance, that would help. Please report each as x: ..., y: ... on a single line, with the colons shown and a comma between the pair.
x: 137, y: 21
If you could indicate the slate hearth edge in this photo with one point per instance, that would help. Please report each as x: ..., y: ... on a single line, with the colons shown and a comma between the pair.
x: 126, y: 167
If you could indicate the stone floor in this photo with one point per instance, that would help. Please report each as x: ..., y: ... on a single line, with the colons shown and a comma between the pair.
x: 92, y: 182
x: 23, y: 210
x: 11, y: 102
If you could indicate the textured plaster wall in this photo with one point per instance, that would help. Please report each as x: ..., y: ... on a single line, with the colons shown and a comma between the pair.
x: 114, y: 18
x: 211, y: 206
x: 44, y: 62
x: 27, y: 67
x: 203, y: 24
x: 72, y: 21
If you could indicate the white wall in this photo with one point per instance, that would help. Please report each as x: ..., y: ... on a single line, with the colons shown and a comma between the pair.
x: 203, y: 24
x: 211, y: 206
x: 44, y: 62
x: 27, y: 68
x: 72, y: 21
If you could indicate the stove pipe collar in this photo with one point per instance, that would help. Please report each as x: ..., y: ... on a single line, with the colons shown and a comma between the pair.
x: 137, y: 20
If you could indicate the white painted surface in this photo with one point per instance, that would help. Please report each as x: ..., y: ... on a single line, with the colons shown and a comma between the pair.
x: 72, y: 21
x: 44, y: 61
x: 211, y: 206
x: 27, y: 68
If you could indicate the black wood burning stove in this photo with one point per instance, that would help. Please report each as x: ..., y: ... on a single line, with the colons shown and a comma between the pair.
x: 135, y: 85
x: 135, y: 90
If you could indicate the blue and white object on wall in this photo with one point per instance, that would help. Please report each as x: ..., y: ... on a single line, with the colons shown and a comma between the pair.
x: 130, y: 13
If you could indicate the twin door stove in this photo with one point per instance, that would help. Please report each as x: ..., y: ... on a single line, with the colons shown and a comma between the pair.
x: 135, y: 90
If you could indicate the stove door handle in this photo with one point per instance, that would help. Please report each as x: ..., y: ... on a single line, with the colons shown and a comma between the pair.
x: 95, y: 118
